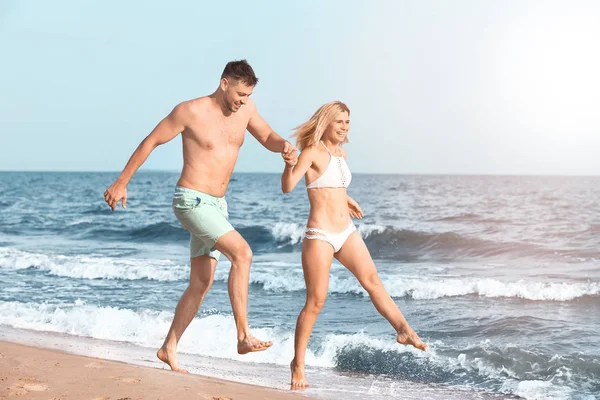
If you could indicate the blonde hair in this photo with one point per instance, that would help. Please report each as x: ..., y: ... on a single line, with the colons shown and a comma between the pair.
x: 311, y: 131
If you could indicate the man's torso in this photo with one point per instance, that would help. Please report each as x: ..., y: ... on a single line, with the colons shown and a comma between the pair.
x: 211, y: 143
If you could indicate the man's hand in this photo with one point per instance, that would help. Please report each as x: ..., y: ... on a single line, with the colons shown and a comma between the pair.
x: 116, y: 192
x: 289, y: 154
x: 354, y: 209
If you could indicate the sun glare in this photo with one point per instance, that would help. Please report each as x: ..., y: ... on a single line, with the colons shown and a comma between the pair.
x: 551, y: 68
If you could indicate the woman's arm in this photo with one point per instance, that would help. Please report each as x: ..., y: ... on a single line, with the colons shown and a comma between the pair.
x: 354, y: 209
x: 292, y: 174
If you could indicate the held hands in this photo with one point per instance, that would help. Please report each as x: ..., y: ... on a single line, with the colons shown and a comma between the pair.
x: 354, y: 209
x: 116, y: 192
x: 289, y: 154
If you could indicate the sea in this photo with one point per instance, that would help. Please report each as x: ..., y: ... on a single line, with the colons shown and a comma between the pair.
x: 500, y: 275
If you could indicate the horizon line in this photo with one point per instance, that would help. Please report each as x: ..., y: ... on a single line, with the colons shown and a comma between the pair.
x: 356, y: 173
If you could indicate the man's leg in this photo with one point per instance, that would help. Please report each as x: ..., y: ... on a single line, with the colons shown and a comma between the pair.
x: 237, y: 250
x: 201, y: 277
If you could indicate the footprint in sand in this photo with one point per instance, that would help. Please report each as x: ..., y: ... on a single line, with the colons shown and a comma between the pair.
x: 31, y: 385
x: 94, y: 364
x: 130, y: 380
x: 27, y: 385
x: 222, y: 398
x: 17, y: 392
x: 102, y: 398
x: 35, y: 387
x: 126, y: 380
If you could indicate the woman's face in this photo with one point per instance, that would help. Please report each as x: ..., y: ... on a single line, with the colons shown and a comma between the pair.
x: 337, y: 130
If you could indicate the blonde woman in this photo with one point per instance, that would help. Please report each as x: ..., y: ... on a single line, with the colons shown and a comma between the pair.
x: 329, y: 231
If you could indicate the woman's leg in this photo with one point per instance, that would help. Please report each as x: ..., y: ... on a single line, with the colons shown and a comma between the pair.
x: 355, y: 256
x: 317, y: 256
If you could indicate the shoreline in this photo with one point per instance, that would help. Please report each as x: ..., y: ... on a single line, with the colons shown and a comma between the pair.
x: 30, y: 360
x: 42, y: 373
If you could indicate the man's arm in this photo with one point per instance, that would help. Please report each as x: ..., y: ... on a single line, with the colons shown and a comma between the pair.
x: 260, y: 129
x: 166, y: 130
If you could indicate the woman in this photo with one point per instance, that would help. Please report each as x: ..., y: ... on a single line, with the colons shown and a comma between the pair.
x: 329, y: 231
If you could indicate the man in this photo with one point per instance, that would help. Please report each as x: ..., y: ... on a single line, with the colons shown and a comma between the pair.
x: 212, y: 130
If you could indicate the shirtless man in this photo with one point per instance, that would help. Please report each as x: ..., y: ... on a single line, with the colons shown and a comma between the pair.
x: 212, y: 130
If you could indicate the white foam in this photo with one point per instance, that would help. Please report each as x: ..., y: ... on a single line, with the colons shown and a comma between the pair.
x: 214, y: 335
x: 287, y: 232
x: 93, y: 267
x: 210, y: 335
x: 367, y: 230
x: 288, y: 277
x: 541, y: 390
x: 436, y: 288
x: 80, y: 221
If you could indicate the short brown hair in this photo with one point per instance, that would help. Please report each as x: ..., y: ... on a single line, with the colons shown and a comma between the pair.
x: 241, y: 71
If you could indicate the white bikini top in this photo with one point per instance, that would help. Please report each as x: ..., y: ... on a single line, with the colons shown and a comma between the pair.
x: 336, y: 175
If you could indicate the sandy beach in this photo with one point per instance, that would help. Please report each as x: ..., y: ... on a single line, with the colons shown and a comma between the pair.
x: 35, y: 373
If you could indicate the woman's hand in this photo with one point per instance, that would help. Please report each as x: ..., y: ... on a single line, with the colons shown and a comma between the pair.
x: 354, y: 209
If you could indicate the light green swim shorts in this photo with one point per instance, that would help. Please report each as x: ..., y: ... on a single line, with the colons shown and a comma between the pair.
x: 206, y: 218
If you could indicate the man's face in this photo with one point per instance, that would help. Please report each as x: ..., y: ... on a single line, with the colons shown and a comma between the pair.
x: 236, y: 93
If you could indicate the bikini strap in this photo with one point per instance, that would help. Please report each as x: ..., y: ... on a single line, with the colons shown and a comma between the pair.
x: 325, y: 147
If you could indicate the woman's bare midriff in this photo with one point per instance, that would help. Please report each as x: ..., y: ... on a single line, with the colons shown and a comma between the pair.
x: 328, y: 209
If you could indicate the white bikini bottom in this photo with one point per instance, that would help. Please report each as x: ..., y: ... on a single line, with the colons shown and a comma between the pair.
x: 337, y: 240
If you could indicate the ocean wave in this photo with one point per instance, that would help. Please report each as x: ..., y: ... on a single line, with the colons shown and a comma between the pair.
x: 97, y: 210
x: 288, y: 277
x: 459, y: 217
x: 291, y: 279
x: 404, y: 244
x: 389, y: 243
x: 93, y: 267
x: 211, y: 334
x: 540, y: 291
x: 287, y: 233
x: 506, y: 369
x: 155, y: 232
x: 384, y: 242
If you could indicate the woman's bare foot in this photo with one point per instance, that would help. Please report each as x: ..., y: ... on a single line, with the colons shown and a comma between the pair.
x: 251, y: 344
x: 298, y: 380
x: 170, y: 358
x: 409, y: 337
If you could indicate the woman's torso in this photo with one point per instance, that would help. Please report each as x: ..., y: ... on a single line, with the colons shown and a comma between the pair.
x: 328, y: 205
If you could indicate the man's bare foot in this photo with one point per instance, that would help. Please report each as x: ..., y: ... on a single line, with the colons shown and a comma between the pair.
x: 298, y: 379
x: 251, y: 344
x: 409, y: 337
x: 170, y: 358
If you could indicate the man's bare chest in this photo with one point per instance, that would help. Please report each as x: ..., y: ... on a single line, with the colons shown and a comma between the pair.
x: 218, y: 133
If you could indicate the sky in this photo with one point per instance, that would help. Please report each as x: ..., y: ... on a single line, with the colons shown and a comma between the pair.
x: 434, y: 87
